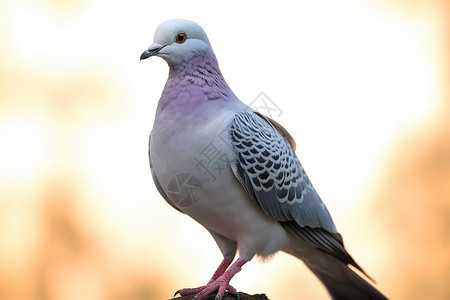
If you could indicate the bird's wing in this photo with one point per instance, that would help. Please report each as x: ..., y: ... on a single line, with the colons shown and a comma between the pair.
x: 155, y: 179
x: 281, y: 130
x: 270, y: 169
x: 272, y: 175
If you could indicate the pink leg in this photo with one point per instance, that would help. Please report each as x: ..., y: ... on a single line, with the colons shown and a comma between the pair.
x: 220, y: 284
x: 221, y: 269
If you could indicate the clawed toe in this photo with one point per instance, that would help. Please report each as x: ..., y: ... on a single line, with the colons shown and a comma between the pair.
x: 233, y: 291
x: 221, y: 284
x: 205, y: 290
x: 189, y: 291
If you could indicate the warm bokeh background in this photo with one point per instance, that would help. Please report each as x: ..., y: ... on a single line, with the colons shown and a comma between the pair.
x: 364, y: 88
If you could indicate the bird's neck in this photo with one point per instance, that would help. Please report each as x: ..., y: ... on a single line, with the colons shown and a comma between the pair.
x: 194, y: 82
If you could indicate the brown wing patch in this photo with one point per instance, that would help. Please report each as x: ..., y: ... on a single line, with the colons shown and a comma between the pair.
x: 281, y: 130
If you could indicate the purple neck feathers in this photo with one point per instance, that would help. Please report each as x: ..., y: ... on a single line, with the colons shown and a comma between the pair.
x: 195, y: 81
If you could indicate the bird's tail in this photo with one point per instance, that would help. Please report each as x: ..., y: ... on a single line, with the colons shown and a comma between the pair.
x: 341, y: 282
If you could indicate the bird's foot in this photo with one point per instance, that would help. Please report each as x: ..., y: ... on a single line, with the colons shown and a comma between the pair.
x: 205, y: 290
x: 221, y: 285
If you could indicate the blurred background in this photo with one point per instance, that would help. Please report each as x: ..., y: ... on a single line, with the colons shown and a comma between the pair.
x: 363, y: 86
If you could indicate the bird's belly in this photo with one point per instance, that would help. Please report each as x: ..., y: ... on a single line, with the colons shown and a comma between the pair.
x: 225, y: 208
x: 197, y: 178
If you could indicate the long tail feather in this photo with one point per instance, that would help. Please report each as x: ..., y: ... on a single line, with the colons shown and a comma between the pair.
x: 341, y: 282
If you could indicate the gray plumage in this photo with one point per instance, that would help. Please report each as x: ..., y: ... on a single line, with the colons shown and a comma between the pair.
x: 260, y: 201
x: 273, y: 177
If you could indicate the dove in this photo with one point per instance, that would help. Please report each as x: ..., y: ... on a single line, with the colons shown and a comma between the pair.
x: 236, y: 173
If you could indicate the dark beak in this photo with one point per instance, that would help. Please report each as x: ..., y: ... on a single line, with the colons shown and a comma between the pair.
x: 151, y: 51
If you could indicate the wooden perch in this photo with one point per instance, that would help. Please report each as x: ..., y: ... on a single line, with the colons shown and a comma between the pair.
x: 228, y: 296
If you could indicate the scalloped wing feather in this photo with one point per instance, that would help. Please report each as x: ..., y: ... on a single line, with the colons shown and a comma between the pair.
x: 272, y: 175
x: 270, y: 168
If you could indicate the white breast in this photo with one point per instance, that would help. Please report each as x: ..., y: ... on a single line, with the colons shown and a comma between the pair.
x: 192, y: 164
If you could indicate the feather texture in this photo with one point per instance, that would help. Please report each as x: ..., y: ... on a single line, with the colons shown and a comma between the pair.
x: 271, y: 173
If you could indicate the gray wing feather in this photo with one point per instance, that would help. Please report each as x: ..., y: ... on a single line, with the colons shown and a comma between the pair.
x: 271, y: 173
x: 280, y: 129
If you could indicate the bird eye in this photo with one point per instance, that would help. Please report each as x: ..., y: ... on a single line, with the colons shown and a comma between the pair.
x: 181, y: 37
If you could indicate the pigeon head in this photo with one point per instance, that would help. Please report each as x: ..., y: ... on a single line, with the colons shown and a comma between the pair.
x: 177, y: 40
